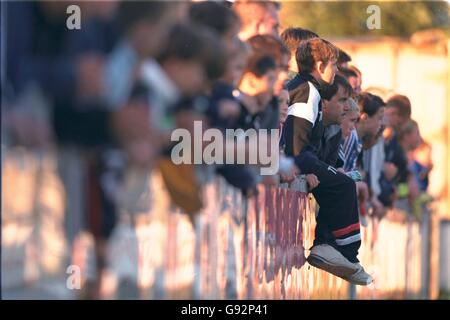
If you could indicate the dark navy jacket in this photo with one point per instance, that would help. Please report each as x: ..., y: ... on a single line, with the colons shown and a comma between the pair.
x: 303, y: 130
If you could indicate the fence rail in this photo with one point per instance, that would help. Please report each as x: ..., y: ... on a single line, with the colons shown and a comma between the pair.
x: 236, y: 248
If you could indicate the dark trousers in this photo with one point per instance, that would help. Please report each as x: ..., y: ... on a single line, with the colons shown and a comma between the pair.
x: 338, y: 218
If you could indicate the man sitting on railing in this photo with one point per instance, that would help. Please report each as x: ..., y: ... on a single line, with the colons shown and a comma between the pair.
x: 338, y: 237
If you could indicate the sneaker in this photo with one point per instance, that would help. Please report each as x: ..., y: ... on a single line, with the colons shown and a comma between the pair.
x: 360, y: 277
x: 327, y: 258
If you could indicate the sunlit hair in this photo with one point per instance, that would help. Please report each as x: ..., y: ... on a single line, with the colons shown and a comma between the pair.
x: 292, y: 37
x: 401, y: 103
x: 370, y: 104
x: 353, y: 106
x: 314, y: 50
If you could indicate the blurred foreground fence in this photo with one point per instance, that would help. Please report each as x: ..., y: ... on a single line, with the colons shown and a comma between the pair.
x: 444, y: 259
x: 236, y: 248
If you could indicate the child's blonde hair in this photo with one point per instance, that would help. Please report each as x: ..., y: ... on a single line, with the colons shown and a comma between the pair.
x: 353, y: 106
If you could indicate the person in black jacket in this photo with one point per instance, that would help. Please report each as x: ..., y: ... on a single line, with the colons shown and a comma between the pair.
x: 398, y: 113
x: 338, y: 236
x: 335, y: 105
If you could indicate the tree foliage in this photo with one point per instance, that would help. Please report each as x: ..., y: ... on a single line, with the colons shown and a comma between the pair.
x: 348, y: 18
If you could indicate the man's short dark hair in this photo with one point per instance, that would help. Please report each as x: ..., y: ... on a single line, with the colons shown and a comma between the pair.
x: 401, y: 103
x: 314, y: 50
x: 347, y: 73
x: 369, y: 103
x: 216, y: 16
x: 132, y: 12
x: 292, y: 37
x: 192, y: 43
x: 329, y: 91
x: 343, y: 57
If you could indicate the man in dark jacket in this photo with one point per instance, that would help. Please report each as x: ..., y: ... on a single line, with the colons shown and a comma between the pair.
x: 335, y: 105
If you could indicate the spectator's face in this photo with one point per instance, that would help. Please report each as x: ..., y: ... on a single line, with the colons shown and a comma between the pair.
x: 373, y: 124
x: 335, y: 109
x: 189, y: 76
x: 392, y: 117
x: 283, y: 70
x: 264, y: 86
x: 268, y: 81
x: 413, y: 139
x: 270, y: 22
x: 283, y: 104
x: 349, y: 122
x: 259, y: 87
x: 237, y: 67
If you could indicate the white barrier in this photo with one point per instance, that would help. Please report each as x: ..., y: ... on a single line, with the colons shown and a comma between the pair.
x: 237, y: 248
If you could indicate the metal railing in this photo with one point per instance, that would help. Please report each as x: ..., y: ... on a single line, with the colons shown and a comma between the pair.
x: 236, y: 247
